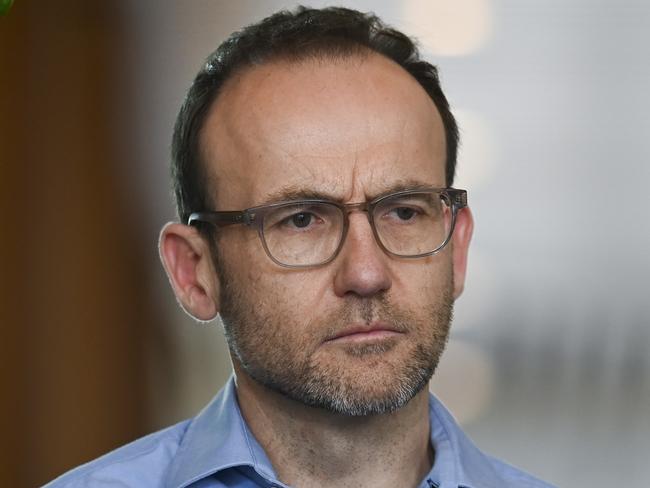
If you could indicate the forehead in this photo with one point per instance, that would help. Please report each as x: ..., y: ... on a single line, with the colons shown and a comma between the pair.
x: 349, y: 128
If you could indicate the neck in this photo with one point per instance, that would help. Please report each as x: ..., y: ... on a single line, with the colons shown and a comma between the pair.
x: 310, y: 447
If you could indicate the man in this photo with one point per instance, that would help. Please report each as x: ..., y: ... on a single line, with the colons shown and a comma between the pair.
x: 313, y: 160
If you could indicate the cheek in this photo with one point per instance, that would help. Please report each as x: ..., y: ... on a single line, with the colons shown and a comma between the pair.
x: 281, y: 318
x: 281, y: 295
x: 237, y: 245
x: 247, y: 262
x: 299, y: 296
x: 422, y: 279
x: 300, y: 291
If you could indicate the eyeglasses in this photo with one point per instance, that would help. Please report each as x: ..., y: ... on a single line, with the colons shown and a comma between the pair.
x: 306, y: 233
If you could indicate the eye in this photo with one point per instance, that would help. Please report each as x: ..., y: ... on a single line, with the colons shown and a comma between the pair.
x: 303, y: 220
x: 404, y: 213
x: 411, y: 209
x: 300, y: 220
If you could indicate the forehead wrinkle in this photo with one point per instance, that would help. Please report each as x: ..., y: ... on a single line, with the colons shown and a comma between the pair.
x: 375, y: 185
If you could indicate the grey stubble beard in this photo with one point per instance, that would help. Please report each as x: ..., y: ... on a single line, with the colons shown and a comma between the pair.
x: 261, y: 346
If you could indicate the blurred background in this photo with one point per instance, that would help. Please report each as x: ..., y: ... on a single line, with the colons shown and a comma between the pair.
x: 549, y: 362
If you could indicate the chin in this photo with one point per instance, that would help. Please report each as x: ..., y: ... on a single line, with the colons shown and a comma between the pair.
x: 367, y: 380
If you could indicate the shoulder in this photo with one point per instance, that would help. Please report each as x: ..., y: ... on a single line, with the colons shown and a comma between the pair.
x: 141, y: 463
x: 462, y: 463
x: 516, y: 477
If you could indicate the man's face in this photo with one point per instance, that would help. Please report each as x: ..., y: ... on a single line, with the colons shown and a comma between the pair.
x: 350, y: 129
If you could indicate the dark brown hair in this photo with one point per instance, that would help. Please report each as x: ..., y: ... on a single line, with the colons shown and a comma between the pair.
x: 292, y: 35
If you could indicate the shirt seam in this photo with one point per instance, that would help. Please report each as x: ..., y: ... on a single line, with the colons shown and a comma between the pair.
x: 174, y: 467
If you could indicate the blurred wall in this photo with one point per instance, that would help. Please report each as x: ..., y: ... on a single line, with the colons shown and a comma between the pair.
x: 72, y: 312
x: 549, y: 361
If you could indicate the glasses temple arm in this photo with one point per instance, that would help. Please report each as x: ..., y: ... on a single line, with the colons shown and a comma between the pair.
x: 219, y: 218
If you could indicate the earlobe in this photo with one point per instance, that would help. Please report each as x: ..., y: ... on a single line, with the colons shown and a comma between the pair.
x: 461, y: 239
x: 186, y: 258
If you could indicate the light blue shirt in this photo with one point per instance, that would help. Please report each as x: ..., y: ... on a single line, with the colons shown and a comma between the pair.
x: 216, y: 449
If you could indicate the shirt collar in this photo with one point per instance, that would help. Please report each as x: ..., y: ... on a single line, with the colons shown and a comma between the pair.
x: 458, y: 462
x: 218, y: 438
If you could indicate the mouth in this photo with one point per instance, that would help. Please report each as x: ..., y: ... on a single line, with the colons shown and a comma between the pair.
x: 375, y: 331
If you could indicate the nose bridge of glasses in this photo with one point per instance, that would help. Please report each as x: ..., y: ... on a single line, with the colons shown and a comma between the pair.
x: 356, y: 207
x: 366, y: 207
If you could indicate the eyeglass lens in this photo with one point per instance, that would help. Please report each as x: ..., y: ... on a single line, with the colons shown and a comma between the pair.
x: 300, y: 235
x: 308, y: 234
x: 413, y: 224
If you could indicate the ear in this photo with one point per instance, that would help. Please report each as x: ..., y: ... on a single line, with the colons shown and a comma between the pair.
x: 185, y: 255
x: 460, y: 245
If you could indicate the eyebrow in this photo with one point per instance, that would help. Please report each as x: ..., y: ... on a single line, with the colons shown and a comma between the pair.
x: 401, y: 185
x: 294, y: 192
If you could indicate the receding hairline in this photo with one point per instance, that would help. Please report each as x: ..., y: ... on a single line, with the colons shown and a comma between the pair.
x: 360, y: 54
x: 299, y: 35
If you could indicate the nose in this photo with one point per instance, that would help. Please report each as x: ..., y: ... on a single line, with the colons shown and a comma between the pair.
x: 362, y: 267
